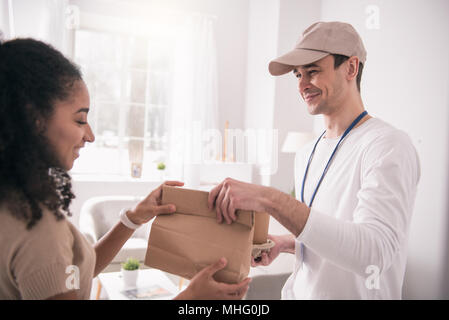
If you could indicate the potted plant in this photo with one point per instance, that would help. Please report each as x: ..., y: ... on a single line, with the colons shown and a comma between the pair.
x: 130, y: 269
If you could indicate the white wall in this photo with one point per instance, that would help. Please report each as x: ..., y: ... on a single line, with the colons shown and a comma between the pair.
x: 263, y: 23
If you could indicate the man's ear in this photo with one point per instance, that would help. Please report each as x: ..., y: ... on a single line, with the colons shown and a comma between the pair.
x: 352, y: 68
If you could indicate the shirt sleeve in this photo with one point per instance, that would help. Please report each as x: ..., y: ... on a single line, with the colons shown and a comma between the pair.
x: 389, y: 176
x: 40, y: 263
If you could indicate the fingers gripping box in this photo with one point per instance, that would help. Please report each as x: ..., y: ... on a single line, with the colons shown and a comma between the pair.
x: 190, y: 239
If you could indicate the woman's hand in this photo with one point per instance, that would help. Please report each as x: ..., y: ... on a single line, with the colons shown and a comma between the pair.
x: 151, y: 206
x: 204, y: 287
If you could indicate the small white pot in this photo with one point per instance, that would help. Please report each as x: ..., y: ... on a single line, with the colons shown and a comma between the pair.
x: 130, y: 277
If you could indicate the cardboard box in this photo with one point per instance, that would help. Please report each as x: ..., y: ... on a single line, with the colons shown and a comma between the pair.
x: 185, y: 242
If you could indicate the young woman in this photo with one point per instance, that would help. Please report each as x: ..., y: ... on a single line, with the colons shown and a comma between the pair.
x: 44, y: 105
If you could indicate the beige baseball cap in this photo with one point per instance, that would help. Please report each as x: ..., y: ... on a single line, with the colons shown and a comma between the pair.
x: 318, y: 41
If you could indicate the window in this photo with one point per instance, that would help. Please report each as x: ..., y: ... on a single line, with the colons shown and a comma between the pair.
x: 129, y: 79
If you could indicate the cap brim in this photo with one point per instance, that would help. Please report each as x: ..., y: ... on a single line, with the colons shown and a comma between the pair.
x: 296, y: 57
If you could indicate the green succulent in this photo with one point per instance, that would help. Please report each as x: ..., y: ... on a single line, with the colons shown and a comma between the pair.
x: 161, y: 166
x: 131, y: 264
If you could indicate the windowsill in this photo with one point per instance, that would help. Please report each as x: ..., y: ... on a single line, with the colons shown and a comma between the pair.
x: 211, y: 174
x: 101, y: 179
x: 110, y: 178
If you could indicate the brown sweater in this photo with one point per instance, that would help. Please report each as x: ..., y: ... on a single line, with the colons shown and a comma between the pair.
x: 51, y: 258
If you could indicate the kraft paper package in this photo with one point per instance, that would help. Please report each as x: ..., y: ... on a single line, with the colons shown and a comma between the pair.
x: 185, y: 242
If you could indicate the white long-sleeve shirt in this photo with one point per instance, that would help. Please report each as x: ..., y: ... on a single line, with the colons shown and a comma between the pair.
x: 355, y: 239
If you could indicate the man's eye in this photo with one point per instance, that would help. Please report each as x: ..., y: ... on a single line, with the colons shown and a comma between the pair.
x: 298, y: 75
x: 312, y: 72
x: 82, y: 122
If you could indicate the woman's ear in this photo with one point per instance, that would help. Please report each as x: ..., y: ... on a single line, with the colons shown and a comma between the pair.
x: 36, y: 118
x: 40, y: 125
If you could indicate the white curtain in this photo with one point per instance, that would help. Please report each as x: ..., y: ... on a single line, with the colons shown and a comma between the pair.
x: 40, y: 19
x: 194, y: 107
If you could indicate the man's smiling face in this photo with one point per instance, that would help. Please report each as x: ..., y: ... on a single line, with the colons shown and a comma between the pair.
x: 321, y: 85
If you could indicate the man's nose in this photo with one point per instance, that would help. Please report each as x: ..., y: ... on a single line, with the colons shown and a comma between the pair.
x: 303, y: 84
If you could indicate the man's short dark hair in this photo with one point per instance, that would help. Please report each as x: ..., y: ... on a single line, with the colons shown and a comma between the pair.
x: 339, y: 59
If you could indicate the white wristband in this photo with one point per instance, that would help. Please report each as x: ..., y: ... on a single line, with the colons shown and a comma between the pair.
x: 125, y: 220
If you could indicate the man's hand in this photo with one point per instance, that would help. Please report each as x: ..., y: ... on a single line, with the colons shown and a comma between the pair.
x: 231, y: 195
x: 204, y: 287
x: 284, y: 243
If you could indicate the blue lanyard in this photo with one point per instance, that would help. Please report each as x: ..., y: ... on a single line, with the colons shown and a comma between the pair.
x: 353, y: 124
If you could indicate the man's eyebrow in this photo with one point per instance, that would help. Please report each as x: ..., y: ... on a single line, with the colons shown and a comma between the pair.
x: 86, y: 110
x: 310, y: 65
x: 307, y: 66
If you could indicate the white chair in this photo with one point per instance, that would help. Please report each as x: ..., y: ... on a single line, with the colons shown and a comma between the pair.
x: 99, y: 214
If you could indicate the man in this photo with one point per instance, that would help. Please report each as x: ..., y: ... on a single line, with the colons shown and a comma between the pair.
x: 355, y: 185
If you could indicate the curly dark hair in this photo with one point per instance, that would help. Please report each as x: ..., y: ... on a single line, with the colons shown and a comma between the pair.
x: 33, y: 75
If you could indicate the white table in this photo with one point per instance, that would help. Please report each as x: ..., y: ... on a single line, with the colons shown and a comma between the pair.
x: 151, y: 284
